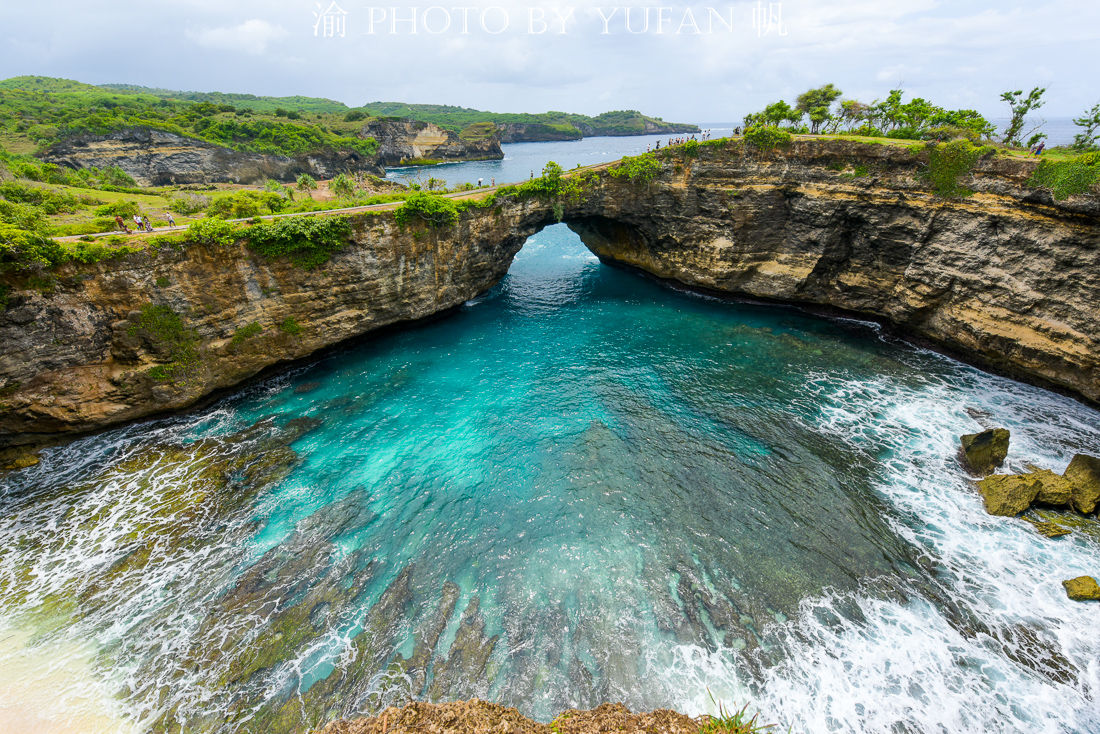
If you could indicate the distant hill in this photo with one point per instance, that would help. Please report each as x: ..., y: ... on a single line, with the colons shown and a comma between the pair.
x: 621, y: 122
x: 248, y: 101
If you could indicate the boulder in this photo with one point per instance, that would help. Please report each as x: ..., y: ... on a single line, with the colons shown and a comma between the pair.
x: 1084, y: 473
x: 1054, y: 489
x: 983, y: 452
x: 1082, y: 588
x: 1008, y: 494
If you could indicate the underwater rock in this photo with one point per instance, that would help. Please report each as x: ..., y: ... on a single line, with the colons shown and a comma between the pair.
x: 983, y: 452
x: 21, y: 461
x: 1084, y: 472
x: 1048, y: 529
x: 416, y: 667
x: 306, y: 387
x: 1008, y: 494
x: 1082, y: 588
x: 463, y: 673
x: 1054, y: 489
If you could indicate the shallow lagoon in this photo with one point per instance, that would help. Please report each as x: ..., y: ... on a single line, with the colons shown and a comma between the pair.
x: 582, y: 487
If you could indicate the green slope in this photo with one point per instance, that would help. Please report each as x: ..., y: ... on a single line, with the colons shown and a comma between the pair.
x: 621, y: 122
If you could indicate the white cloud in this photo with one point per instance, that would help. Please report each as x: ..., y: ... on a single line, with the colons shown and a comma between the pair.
x: 252, y: 36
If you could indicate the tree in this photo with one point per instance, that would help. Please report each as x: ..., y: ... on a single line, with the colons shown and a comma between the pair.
x: 854, y: 113
x: 1020, y: 106
x: 815, y: 103
x: 307, y: 184
x: 889, y: 112
x: 1091, y: 134
x: 342, y: 186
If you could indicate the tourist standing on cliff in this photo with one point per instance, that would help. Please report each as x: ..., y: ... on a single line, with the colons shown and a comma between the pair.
x: 479, y: 183
x: 1039, y: 148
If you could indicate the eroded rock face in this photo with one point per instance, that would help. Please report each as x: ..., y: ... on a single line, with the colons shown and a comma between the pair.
x: 410, y: 140
x: 1008, y: 494
x: 158, y: 158
x: 984, y: 452
x: 1005, y: 278
x: 1082, y: 588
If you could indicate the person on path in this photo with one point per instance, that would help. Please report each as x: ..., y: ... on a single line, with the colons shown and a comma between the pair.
x: 137, y: 221
x: 145, y: 223
x: 171, y: 219
x: 492, y: 182
x: 1039, y: 148
x: 479, y: 183
x: 122, y: 224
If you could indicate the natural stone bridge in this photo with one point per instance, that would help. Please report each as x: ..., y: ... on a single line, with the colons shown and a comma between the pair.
x: 1006, y: 278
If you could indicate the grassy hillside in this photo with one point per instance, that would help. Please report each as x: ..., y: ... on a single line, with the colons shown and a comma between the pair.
x: 621, y: 122
x: 36, y: 112
x: 313, y: 105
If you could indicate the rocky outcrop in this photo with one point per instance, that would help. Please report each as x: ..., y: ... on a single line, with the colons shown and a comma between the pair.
x: 1084, y: 472
x: 984, y: 452
x: 1082, y: 588
x: 158, y: 158
x: 535, y: 132
x: 1008, y: 495
x: 1005, y: 278
x: 403, y: 141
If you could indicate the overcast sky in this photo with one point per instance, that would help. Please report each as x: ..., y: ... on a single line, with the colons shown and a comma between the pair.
x: 705, y: 62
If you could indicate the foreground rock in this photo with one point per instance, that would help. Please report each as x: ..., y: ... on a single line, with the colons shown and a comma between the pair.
x: 479, y: 717
x: 1084, y: 472
x: 1082, y: 588
x: 1008, y: 494
x: 986, y: 451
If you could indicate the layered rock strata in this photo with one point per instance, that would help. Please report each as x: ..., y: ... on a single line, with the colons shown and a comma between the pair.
x: 408, y: 141
x: 158, y: 158
x: 1005, y: 278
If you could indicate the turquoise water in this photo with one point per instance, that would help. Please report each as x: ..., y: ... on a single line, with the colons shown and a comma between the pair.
x: 654, y: 497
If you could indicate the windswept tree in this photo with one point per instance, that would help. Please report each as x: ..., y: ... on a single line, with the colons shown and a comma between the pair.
x: 773, y: 115
x: 815, y: 104
x: 1021, y: 106
x: 1090, y: 136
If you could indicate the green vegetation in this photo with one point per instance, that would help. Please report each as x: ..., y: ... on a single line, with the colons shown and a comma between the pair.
x: 1068, y: 178
x: 212, y: 232
x: 307, y: 184
x: 947, y: 162
x: 245, y: 204
x: 165, y: 329
x: 733, y: 722
x: 162, y: 282
x: 290, y: 326
x: 1090, y: 136
x: 306, y: 241
x: 44, y: 111
x: 917, y: 119
x: 432, y: 209
x: 1020, y: 106
x: 639, y: 169
x: 245, y: 332
x: 766, y: 138
x: 459, y: 119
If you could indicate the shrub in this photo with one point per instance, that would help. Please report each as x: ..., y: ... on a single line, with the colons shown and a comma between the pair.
x: 306, y: 241
x: 245, y: 204
x: 212, y: 232
x: 639, y: 169
x: 763, y: 137
x: 50, y: 201
x: 435, y: 210
x: 354, y: 116
x: 342, y: 186
x: 948, y: 161
x: 124, y: 209
x: 1068, y: 178
x: 290, y: 326
x: 691, y: 149
x: 189, y: 203
x: 245, y: 332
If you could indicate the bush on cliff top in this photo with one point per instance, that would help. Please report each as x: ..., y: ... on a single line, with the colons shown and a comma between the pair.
x: 431, y: 209
x: 639, y: 169
x: 306, y: 241
x: 1068, y: 178
x: 947, y: 162
x: 763, y: 137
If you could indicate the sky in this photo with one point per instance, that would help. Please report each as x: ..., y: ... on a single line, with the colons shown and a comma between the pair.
x: 686, y: 62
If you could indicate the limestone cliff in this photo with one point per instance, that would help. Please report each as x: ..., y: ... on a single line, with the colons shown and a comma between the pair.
x: 402, y: 141
x: 158, y: 158
x: 1005, y: 278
